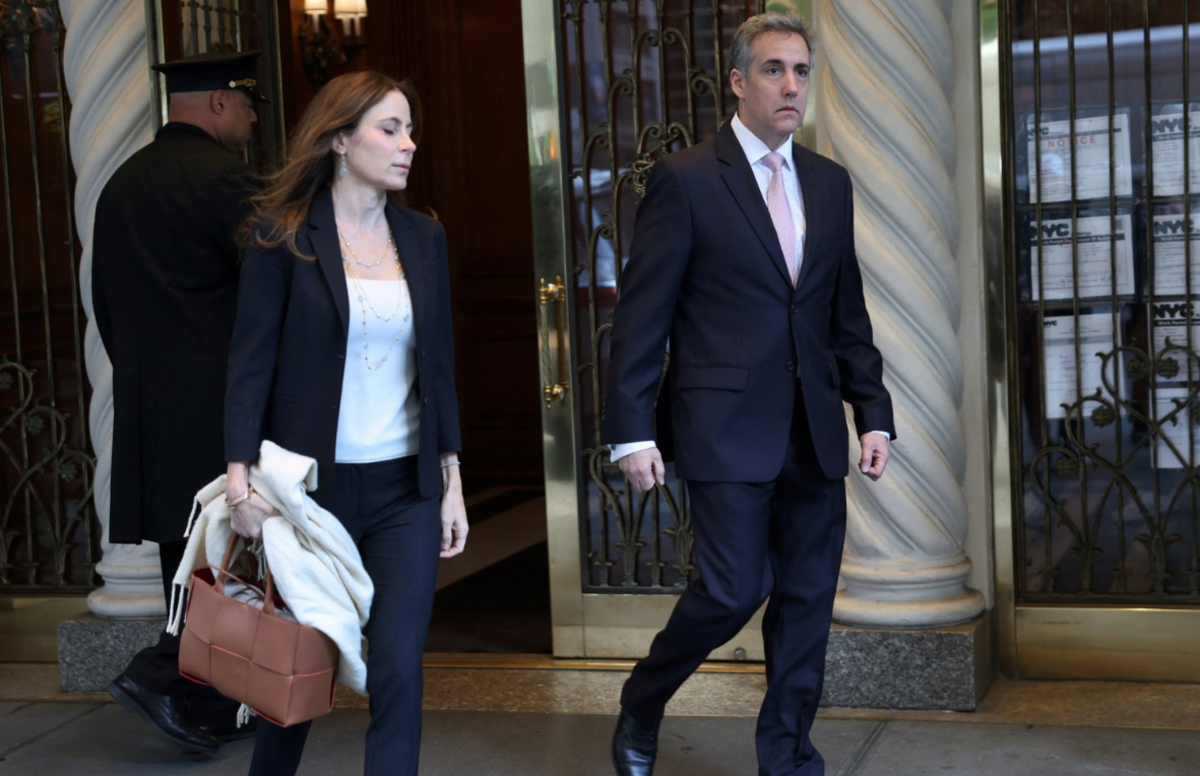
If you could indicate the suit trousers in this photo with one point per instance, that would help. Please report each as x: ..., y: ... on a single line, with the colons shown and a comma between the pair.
x: 778, y: 541
x: 157, y: 667
x: 399, y: 535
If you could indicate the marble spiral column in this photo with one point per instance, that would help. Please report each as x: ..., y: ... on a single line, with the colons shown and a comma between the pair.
x: 887, y: 76
x: 107, y: 77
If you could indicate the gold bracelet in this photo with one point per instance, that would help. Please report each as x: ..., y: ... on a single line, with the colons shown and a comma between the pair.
x: 242, y: 498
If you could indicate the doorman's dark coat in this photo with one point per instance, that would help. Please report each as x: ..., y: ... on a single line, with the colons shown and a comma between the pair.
x: 164, y: 291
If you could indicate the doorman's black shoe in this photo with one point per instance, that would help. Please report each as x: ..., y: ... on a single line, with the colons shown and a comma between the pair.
x: 165, y: 715
x: 634, y: 747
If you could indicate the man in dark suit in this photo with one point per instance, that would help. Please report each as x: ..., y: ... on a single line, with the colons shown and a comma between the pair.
x: 164, y: 291
x: 743, y: 259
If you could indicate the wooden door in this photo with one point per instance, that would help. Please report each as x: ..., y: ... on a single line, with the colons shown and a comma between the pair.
x: 472, y: 170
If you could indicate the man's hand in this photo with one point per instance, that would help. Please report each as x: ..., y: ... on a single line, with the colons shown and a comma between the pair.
x: 875, y: 455
x: 644, y: 469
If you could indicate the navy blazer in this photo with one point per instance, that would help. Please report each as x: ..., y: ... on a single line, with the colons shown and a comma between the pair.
x: 289, y: 344
x: 706, y: 272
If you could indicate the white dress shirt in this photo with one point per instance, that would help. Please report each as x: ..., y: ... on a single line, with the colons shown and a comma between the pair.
x: 755, y: 150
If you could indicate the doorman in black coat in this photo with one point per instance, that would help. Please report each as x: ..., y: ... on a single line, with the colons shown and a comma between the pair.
x: 743, y: 257
x: 164, y: 291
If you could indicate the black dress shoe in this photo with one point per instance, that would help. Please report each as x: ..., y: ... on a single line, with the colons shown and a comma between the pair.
x: 226, y: 730
x: 165, y: 715
x: 634, y: 747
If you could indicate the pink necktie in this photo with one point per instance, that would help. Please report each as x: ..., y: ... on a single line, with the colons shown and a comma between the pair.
x: 781, y: 213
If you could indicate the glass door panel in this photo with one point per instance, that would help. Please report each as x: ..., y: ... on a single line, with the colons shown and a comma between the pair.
x: 1102, y: 280
x: 612, y: 87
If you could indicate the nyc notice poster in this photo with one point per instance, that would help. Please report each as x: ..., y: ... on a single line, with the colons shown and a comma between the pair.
x: 1166, y: 136
x: 1050, y: 155
x: 1096, y: 249
x: 1176, y: 242
x: 1171, y: 322
x: 1067, y: 378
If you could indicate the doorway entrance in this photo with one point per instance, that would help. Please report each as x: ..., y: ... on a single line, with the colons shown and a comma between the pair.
x: 466, y: 60
x: 573, y: 101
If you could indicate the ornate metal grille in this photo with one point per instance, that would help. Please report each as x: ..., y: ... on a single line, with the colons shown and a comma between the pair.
x: 212, y: 25
x: 48, y: 541
x: 641, y: 79
x: 191, y: 27
x: 1105, y: 158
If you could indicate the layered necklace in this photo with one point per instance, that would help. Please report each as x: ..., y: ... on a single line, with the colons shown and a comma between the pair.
x: 364, y: 301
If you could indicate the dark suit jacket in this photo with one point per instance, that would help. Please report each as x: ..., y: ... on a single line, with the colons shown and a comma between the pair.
x: 289, y: 345
x: 707, y: 272
x: 164, y: 295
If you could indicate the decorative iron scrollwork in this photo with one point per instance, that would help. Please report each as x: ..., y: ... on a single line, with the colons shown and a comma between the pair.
x: 39, y: 522
x: 47, y: 539
x: 1103, y: 416
x: 1095, y: 490
x: 641, y: 80
x: 1167, y: 368
x: 1138, y: 368
x: 639, y: 171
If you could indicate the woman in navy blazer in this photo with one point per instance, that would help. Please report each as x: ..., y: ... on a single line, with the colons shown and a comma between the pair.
x: 343, y: 351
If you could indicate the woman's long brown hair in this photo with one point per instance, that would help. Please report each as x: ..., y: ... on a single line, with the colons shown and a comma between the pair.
x: 283, y: 204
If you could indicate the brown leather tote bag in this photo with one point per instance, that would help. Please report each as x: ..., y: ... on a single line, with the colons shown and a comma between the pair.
x: 285, y: 671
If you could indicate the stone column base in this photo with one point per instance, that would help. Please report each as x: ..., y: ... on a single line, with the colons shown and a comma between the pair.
x: 92, y: 651
x: 947, y: 668
x: 942, y: 668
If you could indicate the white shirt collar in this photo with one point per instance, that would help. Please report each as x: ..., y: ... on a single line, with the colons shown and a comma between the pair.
x: 753, y: 146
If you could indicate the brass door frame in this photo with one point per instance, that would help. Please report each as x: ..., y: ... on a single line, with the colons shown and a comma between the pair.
x: 154, y: 55
x: 1123, y: 643
x: 1000, y: 328
x: 560, y: 418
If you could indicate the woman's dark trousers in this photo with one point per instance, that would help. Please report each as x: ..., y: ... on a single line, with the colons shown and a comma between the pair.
x: 399, y: 535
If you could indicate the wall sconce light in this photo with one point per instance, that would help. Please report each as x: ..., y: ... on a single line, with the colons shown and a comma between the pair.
x: 319, y: 47
x: 316, y: 9
x: 351, y: 12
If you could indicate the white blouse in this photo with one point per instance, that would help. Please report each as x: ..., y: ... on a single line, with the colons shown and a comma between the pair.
x: 380, y: 412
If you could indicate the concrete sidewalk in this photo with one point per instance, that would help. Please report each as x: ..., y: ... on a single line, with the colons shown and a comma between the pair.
x: 81, y: 739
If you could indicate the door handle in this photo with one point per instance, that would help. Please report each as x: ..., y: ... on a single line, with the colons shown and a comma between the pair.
x: 553, y: 294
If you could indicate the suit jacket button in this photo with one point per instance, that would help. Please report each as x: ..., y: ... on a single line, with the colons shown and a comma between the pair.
x: 342, y: 356
x: 795, y: 309
x: 791, y: 366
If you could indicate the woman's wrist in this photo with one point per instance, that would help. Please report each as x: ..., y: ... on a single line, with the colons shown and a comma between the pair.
x: 237, y: 479
x: 452, y: 482
x: 242, y: 497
